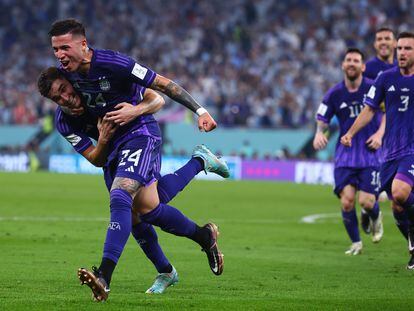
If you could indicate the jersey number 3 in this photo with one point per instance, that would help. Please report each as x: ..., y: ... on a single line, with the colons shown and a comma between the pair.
x: 405, y: 99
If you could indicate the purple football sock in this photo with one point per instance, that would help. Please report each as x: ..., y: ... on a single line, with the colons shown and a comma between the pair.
x: 148, y: 240
x: 402, y: 222
x: 351, y: 225
x: 374, y: 212
x: 170, y: 220
x: 120, y: 225
x: 170, y: 185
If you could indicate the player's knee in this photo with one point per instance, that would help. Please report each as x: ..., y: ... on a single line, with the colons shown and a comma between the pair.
x: 146, y: 200
x: 367, y: 203
x: 348, y: 203
x: 399, y: 196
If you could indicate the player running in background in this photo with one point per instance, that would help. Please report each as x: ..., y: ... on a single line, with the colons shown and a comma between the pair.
x: 384, y: 59
x: 396, y: 87
x: 356, y: 168
x: 106, y: 78
x: 385, y: 45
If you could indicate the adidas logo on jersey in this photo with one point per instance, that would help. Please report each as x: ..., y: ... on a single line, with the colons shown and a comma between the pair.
x: 343, y: 105
x: 391, y: 88
x: 130, y: 169
x: 411, y: 171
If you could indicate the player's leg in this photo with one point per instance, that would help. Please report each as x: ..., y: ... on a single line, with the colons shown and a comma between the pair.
x: 344, y: 179
x: 147, y: 238
x: 401, y: 218
x: 365, y: 221
x: 202, y: 159
x: 171, y: 220
x: 387, y: 174
x: 401, y: 190
x: 368, y: 186
x: 121, y: 196
x: 369, y: 203
x: 402, y: 195
x: 369, y: 183
x: 349, y: 218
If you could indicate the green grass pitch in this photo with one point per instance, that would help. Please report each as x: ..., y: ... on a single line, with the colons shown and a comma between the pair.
x: 52, y: 224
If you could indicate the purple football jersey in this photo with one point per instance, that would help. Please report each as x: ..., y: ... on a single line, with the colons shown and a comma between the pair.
x: 375, y: 66
x: 346, y: 107
x: 76, y: 130
x: 114, y: 78
x: 397, y: 91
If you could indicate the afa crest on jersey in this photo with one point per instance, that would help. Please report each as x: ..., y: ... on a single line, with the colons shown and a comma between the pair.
x: 104, y: 84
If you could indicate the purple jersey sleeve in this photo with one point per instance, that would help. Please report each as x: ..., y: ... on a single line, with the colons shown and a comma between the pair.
x: 375, y: 95
x: 79, y: 141
x: 326, y: 109
x: 126, y: 68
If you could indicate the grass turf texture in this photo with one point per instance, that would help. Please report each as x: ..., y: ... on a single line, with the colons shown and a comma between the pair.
x: 52, y: 224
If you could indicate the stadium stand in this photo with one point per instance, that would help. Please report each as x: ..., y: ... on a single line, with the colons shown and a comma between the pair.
x: 254, y: 64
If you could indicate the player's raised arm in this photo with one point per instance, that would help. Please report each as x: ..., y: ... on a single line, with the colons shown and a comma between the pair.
x: 361, y: 121
x: 174, y: 91
x: 127, y: 112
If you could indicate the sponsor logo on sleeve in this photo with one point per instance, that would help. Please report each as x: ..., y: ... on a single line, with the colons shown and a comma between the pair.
x: 139, y: 71
x: 73, y: 139
x: 322, y: 109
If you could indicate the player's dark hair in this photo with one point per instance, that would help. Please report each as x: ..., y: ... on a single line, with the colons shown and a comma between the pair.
x: 405, y: 34
x: 381, y: 29
x: 66, y: 26
x: 354, y: 50
x: 46, y: 79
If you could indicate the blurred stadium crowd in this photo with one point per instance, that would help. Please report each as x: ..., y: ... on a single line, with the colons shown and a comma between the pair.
x: 253, y: 63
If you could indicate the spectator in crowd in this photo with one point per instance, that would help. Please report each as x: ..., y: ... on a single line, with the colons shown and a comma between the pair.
x: 255, y: 63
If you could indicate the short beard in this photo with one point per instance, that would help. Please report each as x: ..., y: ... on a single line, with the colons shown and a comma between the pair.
x: 352, y: 78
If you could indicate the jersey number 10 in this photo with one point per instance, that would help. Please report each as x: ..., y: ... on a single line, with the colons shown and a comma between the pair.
x: 355, y: 110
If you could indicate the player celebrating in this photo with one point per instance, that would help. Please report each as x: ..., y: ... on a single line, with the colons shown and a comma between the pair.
x: 105, y: 79
x: 384, y: 59
x: 395, y: 86
x: 385, y: 45
x: 78, y: 127
x: 356, y: 169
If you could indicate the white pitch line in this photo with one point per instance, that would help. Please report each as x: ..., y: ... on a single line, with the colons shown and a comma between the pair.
x: 54, y: 219
x: 311, y: 219
x: 105, y: 219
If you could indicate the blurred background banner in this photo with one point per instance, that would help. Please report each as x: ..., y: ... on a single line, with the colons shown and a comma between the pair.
x: 14, y: 162
x: 313, y: 172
